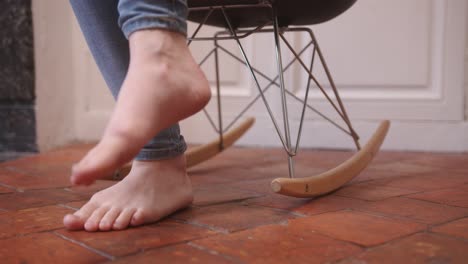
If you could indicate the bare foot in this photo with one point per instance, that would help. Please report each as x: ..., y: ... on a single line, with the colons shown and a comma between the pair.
x: 163, y: 86
x: 150, y: 192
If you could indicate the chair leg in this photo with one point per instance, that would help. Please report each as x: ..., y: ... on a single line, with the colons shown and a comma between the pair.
x: 335, y: 91
x: 340, y: 109
x: 284, y: 104
x: 254, y: 77
x: 218, y: 98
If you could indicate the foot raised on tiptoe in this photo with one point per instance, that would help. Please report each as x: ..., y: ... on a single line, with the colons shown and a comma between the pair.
x: 163, y: 85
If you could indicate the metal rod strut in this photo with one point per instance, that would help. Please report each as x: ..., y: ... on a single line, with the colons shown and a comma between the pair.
x: 241, y: 48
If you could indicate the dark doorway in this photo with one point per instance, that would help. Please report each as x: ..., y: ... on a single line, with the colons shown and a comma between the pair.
x: 17, y: 96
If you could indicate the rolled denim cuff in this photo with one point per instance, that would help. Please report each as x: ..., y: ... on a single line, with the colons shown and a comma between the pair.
x: 154, y: 152
x: 147, y: 14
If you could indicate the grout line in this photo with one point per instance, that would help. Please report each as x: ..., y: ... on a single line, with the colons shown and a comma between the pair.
x: 430, y: 232
x: 366, y: 248
x: 28, y: 208
x: 389, y: 216
x: 429, y: 226
x: 449, y: 221
x: 20, y: 171
x: 211, y: 252
x: 68, y: 207
x: 101, y: 253
x: 176, y: 243
x: 378, y: 200
x: 239, y: 200
x: 13, y: 188
x: 434, y: 202
x: 392, y: 241
x: 280, y: 210
x: 209, y: 227
x: 41, y: 189
x: 224, y: 231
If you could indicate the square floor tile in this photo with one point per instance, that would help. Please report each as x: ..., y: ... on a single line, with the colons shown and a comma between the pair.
x: 45, y: 248
x: 75, y: 205
x: 279, y: 201
x: 370, y: 174
x: 455, y: 197
x: 179, y: 254
x: 37, y: 198
x: 457, y: 228
x: 384, y: 157
x: 446, y: 161
x: 419, y: 248
x: 392, y: 170
x: 281, y: 169
x: 220, y: 194
x: 31, y: 220
x: 22, y: 181
x: 330, y: 203
x: 121, y: 243
x: 49, y: 161
x: 40, y: 165
x: 6, y: 190
x: 417, y: 210
x: 220, y: 176
x: 88, y: 191
x: 294, y: 243
x: 360, y: 228
x: 431, y: 181
x: 405, y: 168
x: 371, y: 192
x: 232, y: 217
x: 262, y: 186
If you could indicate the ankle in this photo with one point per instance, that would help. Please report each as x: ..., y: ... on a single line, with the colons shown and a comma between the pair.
x: 156, y: 41
x: 176, y: 165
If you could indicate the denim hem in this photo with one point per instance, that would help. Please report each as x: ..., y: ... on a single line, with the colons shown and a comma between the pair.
x: 161, y: 153
x: 167, y: 23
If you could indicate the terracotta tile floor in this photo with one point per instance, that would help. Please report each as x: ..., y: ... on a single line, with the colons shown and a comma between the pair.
x: 405, y: 208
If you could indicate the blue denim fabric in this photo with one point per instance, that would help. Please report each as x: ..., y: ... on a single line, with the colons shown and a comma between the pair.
x: 143, y: 14
x: 100, y: 23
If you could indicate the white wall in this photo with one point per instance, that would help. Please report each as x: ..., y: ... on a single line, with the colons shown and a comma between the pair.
x: 55, y: 88
x: 399, y: 60
x: 466, y: 73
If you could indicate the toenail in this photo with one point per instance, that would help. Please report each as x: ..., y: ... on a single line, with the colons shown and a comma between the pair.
x: 89, y: 224
x: 104, y: 226
x: 118, y: 226
x: 136, y: 220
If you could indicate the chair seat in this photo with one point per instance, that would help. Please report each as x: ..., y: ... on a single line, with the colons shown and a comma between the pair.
x: 290, y: 12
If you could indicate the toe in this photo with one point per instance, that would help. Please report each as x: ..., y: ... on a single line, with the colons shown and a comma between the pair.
x: 77, y: 220
x: 109, y: 218
x: 123, y: 220
x: 73, y: 222
x: 138, y: 218
x: 92, y: 224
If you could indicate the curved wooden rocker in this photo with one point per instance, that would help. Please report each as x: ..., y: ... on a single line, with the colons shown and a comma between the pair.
x: 335, y: 178
x: 201, y: 153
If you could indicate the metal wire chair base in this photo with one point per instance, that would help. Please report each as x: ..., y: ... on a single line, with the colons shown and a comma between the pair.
x: 278, y: 81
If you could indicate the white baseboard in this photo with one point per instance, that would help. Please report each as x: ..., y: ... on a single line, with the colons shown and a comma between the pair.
x: 438, y: 136
x: 403, y: 135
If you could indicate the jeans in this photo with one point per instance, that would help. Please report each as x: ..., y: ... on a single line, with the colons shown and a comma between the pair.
x: 106, y: 25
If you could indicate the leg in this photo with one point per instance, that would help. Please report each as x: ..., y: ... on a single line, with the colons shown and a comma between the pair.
x: 163, y: 84
x: 158, y: 183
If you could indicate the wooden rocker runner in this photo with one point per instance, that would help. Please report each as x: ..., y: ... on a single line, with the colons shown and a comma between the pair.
x: 242, y: 18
